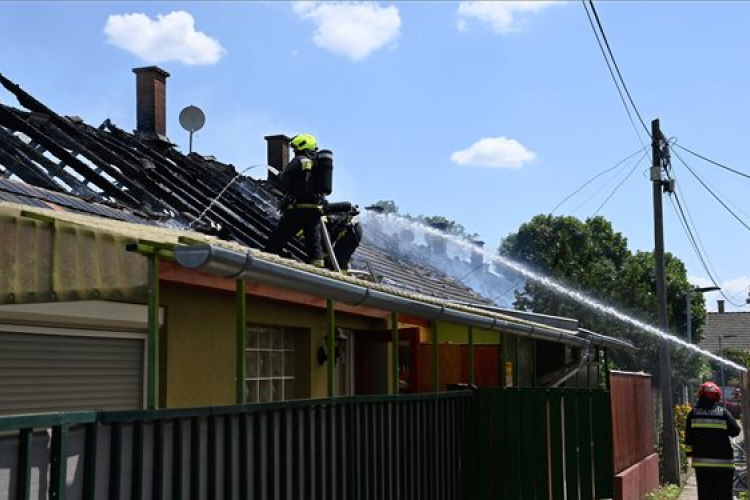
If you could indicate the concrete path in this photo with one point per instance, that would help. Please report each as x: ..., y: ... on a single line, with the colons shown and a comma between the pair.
x: 690, y: 491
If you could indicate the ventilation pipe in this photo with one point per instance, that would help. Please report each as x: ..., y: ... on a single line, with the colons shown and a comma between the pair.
x: 231, y: 264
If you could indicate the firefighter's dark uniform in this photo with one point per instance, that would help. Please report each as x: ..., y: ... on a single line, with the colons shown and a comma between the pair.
x: 301, y: 210
x: 708, y: 431
x: 346, y: 233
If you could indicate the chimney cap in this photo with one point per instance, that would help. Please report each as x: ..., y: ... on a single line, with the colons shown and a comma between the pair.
x: 280, y: 137
x: 155, y: 69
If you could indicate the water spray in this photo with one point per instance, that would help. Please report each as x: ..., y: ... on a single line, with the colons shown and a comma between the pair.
x: 398, y: 222
x: 221, y: 193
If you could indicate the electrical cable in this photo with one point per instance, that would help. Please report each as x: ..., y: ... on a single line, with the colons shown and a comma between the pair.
x: 686, y: 225
x: 617, y: 68
x: 620, y: 184
x: 614, y: 79
x: 592, y: 179
x: 692, y: 223
x: 703, y: 183
x: 742, y: 174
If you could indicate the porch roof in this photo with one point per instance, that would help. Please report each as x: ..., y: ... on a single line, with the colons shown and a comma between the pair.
x: 56, y: 255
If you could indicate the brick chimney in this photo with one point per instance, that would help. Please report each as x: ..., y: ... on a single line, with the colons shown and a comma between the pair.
x: 151, y: 98
x: 720, y: 305
x: 277, y: 152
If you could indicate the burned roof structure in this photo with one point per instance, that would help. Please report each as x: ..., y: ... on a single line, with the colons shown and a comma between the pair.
x: 69, y: 165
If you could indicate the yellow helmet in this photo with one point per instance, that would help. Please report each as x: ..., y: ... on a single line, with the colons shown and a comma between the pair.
x: 304, y: 142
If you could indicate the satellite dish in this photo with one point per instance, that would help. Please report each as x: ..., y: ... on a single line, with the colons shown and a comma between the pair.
x: 192, y: 119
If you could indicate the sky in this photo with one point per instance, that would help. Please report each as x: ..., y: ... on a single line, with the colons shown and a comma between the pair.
x: 487, y: 113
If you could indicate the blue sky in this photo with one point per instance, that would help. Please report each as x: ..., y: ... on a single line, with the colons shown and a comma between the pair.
x: 486, y: 113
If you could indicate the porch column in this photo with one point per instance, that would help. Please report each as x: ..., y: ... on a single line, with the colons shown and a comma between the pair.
x: 152, y: 396
x: 241, y: 336
x: 436, y: 355
x: 331, y: 334
x: 471, y: 355
x: 394, y: 351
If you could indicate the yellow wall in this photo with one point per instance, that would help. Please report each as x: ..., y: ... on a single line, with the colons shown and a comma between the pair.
x: 198, y: 344
x: 459, y: 334
x: 197, y: 347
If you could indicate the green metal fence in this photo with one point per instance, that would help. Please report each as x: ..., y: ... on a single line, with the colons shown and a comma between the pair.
x: 366, y: 447
x: 488, y: 444
x: 531, y: 444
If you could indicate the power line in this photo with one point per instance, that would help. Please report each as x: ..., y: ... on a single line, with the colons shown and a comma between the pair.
x: 592, y: 179
x: 713, y: 162
x: 692, y: 222
x: 621, y: 183
x: 686, y: 225
x: 617, y: 68
x: 612, y: 74
x: 703, y: 183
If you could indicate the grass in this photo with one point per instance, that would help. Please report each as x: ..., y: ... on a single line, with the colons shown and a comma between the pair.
x: 668, y: 492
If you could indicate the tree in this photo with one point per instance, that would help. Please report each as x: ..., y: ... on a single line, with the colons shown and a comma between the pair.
x: 388, y: 206
x: 449, y: 226
x: 590, y: 257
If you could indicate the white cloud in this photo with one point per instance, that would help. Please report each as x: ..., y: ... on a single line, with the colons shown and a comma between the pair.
x: 351, y: 29
x: 736, y: 289
x: 503, y: 17
x: 169, y: 38
x: 498, y: 152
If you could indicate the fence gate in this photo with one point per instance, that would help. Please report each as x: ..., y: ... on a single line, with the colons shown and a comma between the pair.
x: 533, y: 444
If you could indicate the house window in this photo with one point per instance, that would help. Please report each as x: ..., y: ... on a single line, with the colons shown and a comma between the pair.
x: 269, y: 355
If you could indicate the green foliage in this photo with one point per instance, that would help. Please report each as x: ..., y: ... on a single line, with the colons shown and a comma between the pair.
x: 680, y: 421
x: 388, y: 206
x: 449, y: 226
x: 739, y: 356
x: 668, y: 492
x: 591, y: 257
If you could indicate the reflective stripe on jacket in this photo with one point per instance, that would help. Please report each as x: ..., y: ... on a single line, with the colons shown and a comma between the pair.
x: 708, y: 430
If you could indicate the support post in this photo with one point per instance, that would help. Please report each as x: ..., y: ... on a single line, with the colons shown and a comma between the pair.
x: 436, y: 356
x: 331, y: 338
x: 471, y: 355
x: 395, y: 353
x: 745, y: 412
x: 152, y: 396
x: 669, y: 433
x: 241, y: 336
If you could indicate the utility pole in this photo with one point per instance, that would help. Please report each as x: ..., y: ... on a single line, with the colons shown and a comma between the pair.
x: 669, y: 433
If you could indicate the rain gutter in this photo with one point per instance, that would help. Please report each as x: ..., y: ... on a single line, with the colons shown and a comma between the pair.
x: 598, y: 339
x: 243, y: 265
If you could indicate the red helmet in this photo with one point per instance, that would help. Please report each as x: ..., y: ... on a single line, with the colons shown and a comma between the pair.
x: 711, y: 391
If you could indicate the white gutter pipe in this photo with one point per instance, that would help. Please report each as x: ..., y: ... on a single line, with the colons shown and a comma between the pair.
x: 231, y: 264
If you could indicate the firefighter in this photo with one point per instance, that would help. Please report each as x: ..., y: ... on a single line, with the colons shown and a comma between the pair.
x: 345, y: 230
x: 301, y: 205
x: 708, y: 434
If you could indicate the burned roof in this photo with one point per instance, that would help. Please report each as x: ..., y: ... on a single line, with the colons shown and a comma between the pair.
x: 67, y: 164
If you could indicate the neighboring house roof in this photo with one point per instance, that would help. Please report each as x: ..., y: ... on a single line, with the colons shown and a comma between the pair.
x: 734, y: 327
x: 69, y: 165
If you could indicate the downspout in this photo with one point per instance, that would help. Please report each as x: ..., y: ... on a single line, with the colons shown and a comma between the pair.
x: 232, y: 264
x: 241, y: 341
x: 395, y: 352
x: 575, y: 369
x: 152, y: 397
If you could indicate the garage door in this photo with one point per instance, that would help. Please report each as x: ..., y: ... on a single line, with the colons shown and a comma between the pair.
x: 69, y: 370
